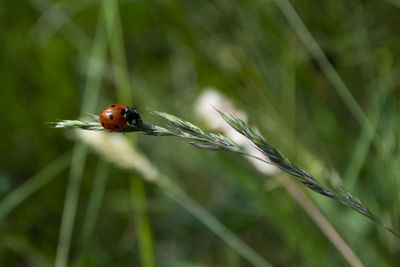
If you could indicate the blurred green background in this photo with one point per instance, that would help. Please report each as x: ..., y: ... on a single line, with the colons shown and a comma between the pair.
x: 334, y: 113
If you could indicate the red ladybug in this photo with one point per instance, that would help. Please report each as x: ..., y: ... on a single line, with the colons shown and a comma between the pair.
x: 116, y: 117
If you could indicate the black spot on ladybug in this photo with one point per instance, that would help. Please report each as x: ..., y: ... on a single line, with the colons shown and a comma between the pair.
x: 111, y: 116
x: 102, y: 124
x: 113, y: 106
x: 116, y: 126
x: 123, y: 111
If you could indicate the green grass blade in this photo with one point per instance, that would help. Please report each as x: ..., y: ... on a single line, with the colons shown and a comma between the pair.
x: 25, y: 249
x: 142, y: 223
x: 148, y: 172
x: 362, y: 146
x: 96, y: 196
x: 70, y: 204
x: 59, y: 21
x: 360, y: 151
x: 315, y: 50
x: 33, y: 184
x: 212, y: 223
x: 120, y: 69
x: 92, y: 87
x: 114, y: 33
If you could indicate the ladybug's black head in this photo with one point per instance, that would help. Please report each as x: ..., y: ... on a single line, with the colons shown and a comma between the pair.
x: 133, y: 117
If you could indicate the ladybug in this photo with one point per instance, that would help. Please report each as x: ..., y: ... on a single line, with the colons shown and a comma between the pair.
x: 116, y: 117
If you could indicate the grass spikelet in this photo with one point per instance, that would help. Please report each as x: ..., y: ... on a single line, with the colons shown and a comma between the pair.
x: 182, y: 125
x: 198, y: 138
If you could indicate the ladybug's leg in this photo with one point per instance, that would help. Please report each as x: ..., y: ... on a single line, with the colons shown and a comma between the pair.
x: 139, y: 123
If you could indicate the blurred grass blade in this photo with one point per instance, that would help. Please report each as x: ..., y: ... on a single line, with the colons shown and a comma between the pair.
x: 53, y: 19
x: 21, y: 246
x: 96, y: 196
x: 89, y: 101
x: 118, y: 57
x: 136, y: 161
x: 212, y: 223
x: 92, y: 213
x: 70, y: 204
x: 315, y: 50
x: 276, y: 157
x: 143, y: 228
x: 124, y: 95
x: 323, y: 223
x: 33, y: 184
x: 364, y: 141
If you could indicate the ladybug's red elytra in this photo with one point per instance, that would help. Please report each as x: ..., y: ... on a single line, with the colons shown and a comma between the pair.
x: 116, y: 117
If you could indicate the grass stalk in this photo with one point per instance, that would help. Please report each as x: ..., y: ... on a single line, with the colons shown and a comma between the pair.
x: 120, y: 69
x: 217, y: 142
x: 323, y: 224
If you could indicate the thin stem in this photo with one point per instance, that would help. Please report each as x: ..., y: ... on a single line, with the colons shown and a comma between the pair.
x: 323, y: 224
